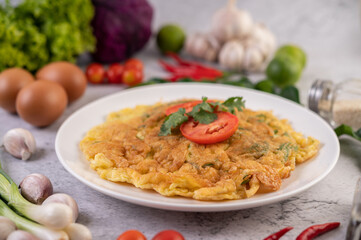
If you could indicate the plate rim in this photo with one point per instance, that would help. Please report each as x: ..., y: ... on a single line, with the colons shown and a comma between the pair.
x: 211, y: 206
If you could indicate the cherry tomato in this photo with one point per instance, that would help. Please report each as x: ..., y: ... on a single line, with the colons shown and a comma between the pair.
x: 132, y: 235
x: 219, y: 130
x: 168, y: 235
x: 95, y: 73
x: 115, y: 72
x: 188, y: 106
x: 134, y: 63
x: 132, y: 76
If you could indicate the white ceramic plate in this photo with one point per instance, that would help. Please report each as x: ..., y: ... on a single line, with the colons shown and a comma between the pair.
x: 303, y: 120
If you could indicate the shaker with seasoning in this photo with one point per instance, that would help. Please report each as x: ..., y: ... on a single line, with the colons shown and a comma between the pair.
x: 337, y: 103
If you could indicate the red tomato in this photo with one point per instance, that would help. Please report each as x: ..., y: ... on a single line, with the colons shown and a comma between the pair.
x: 132, y: 76
x: 219, y: 130
x: 95, y: 73
x: 188, y: 106
x: 134, y: 63
x: 132, y: 235
x: 115, y: 72
x: 168, y: 235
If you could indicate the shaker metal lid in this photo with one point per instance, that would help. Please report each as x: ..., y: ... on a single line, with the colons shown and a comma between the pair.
x: 316, y: 92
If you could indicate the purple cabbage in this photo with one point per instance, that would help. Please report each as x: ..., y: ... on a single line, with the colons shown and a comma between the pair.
x: 121, y: 27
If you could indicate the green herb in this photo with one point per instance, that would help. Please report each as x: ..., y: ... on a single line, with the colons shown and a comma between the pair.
x: 234, y: 103
x: 203, y: 113
x: 246, y: 179
x: 172, y: 121
x: 207, y: 165
x: 285, y: 148
x: 347, y: 130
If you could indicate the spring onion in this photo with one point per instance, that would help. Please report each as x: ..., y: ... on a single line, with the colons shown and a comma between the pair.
x: 37, y: 230
x: 54, y: 215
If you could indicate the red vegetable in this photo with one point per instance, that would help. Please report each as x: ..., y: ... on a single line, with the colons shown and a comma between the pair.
x: 186, y: 69
x: 279, y: 234
x: 132, y: 76
x: 131, y: 235
x: 95, y: 73
x: 134, y: 63
x: 219, y: 130
x: 115, y: 73
x: 168, y: 235
x: 315, y: 230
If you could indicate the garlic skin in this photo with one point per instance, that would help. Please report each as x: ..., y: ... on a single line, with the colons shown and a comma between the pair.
x: 6, y: 227
x: 231, y: 55
x: 231, y: 23
x: 204, y: 46
x: 36, y: 188
x: 20, y: 143
x: 78, y: 231
x: 64, y: 199
x: 263, y: 37
x: 21, y: 235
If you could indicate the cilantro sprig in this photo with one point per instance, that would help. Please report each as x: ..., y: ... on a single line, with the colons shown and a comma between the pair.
x: 204, y: 112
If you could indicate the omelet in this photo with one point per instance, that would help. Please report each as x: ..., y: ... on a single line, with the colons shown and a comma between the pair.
x: 127, y: 148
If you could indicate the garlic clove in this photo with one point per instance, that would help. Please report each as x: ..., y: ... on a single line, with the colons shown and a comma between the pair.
x: 204, y: 46
x: 78, y: 231
x: 6, y: 227
x: 36, y: 188
x: 21, y: 235
x: 262, y: 36
x: 20, y: 143
x: 231, y: 55
x: 65, y: 199
x: 253, y: 59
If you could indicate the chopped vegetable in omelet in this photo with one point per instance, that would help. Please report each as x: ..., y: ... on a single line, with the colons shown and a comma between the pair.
x: 262, y: 151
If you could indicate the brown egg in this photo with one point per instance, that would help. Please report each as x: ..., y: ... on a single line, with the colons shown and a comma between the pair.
x: 41, y: 102
x: 70, y: 76
x: 11, y: 81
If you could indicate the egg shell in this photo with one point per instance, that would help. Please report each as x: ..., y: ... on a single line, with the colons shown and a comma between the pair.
x: 70, y: 76
x: 11, y: 81
x: 41, y: 102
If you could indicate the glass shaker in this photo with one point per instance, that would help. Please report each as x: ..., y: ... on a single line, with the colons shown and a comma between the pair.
x: 337, y: 103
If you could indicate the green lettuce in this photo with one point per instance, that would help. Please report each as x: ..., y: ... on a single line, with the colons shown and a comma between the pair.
x: 37, y: 32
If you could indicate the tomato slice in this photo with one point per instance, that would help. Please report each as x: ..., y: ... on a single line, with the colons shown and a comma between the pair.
x: 219, y: 130
x: 188, y: 106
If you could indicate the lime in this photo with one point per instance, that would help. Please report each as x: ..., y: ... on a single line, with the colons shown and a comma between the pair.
x: 170, y: 38
x: 265, y: 86
x: 294, y: 52
x: 284, y: 71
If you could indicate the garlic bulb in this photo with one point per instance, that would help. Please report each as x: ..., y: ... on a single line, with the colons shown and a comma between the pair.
x: 231, y: 23
x: 20, y: 143
x: 263, y: 37
x: 204, y: 46
x: 231, y: 55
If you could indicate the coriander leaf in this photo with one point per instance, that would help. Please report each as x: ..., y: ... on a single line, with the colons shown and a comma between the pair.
x: 344, y: 129
x: 172, y: 121
x: 203, y: 112
x: 204, y: 117
x: 234, y: 102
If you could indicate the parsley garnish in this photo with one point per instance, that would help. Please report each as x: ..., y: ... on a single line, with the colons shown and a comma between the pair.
x: 203, y: 113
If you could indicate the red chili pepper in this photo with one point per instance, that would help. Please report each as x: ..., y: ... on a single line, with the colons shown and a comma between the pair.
x: 279, y: 234
x: 196, y: 65
x: 315, y: 230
